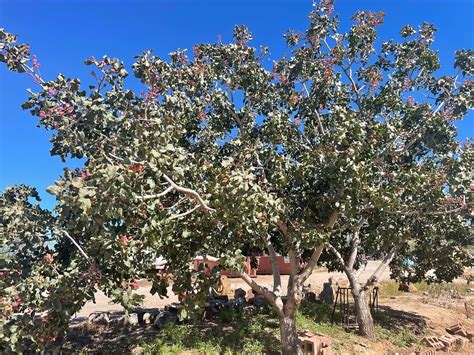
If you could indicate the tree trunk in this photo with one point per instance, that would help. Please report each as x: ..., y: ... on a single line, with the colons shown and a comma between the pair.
x: 289, y: 335
x: 363, y: 315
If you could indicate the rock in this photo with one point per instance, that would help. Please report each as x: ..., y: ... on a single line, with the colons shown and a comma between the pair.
x: 99, y: 317
x: 310, y: 297
x: 132, y: 319
x: 403, y: 287
x: 210, y: 312
x: 147, y: 318
x: 164, y: 318
x: 218, y: 298
x: 327, y: 294
x: 217, y: 302
x: 138, y: 350
x: 240, y: 293
x: 259, y: 301
x: 249, y: 309
x: 171, y: 308
x: 237, y: 303
x: 119, y: 321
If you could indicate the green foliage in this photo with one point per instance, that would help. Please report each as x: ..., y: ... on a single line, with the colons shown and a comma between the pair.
x: 316, y: 317
x: 402, y: 337
x: 249, y: 336
x: 39, y: 293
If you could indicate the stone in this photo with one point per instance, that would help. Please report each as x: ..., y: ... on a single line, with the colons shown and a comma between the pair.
x: 210, y: 312
x: 119, y: 321
x: 310, y: 297
x: 218, y: 302
x: 461, y: 342
x: 147, y: 318
x: 99, y: 317
x: 132, y: 319
x: 259, y: 301
x: 218, y: 298
x: 165, y: 317
x: 172, y: 308
x: 404, y: 287
x: 237, y: 303
x: 327, y: 294
x: 249, y: 309
x: 240, y: 293
x: 138, y: 350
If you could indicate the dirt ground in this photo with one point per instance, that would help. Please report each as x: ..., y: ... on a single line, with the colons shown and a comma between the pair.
x: 315, y: 281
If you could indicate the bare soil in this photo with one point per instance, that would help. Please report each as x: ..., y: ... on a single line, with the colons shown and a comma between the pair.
x: 315, y: 281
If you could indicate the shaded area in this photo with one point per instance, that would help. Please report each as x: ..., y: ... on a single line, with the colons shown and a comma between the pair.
x: 232, y: 331
x: 392, y: 319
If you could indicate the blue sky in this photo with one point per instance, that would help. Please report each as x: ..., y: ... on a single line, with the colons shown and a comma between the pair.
x: 62, y: 33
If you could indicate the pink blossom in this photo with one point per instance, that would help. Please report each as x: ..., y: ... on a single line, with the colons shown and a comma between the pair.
x: 43, y: 114
x: 17, y: 303
x: 35, y: 62
x: 134, y: 285
x: 51, y: 92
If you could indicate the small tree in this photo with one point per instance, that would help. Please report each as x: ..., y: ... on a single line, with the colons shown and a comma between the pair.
x: 221, y: 154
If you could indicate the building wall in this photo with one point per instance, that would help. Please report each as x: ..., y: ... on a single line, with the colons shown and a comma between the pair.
x: 213, y: 263
x: 265, y: 266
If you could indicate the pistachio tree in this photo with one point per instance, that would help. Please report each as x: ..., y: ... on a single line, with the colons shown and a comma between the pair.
x: 40, y: 290
x: 221, y: 154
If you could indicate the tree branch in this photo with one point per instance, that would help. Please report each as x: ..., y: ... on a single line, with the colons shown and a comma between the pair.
x: 267, y: 294
x: 191, y: 192
x: 434, y: 213
x: 152, y: 197
x: 355, y: 245
x: 176, y: 216
x: 308, y: 270
x: 77, y: 245
x: 293, y: 279
x: 275, y: 267
x: 320, y: 124
x: 372, y: 280
x: 337, y: 254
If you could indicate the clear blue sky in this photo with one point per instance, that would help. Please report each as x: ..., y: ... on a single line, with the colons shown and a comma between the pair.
x: 62, y: 33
